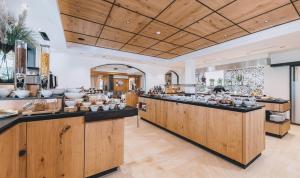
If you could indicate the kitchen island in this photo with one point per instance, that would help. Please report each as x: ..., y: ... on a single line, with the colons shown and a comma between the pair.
x: 234, y: 133
x: 70, y: 145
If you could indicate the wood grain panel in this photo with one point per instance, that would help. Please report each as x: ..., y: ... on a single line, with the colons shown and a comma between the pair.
x: 180, y: 51
x: 182, y: 13
x: 149, y: 8
x: 151, y: 52
x: 131, y: 48
x: 126, y: 20
x: 113, y: 34
x: 93, y: 10
x: 241, y: 10
x: 227, y: 34
x: 216, y: 4
x: 209, y: 25
x: 155, y: 26
x: 161, y: 114
x: 199, y: 44
x: 78, y: 38
x: 279, y: 129
x: 11, y: 142
x: 182, y: 38
x: 276, y: 17
x: 297, y: 5
x: 167, y: 55
x: 142, y: 41
x: 104, y: 145
x: 80, y: 26
x: 109, y: 44
x: 253, y: 134
x: 224, y: 133
x: 163, y: 46
x: 55, y: 148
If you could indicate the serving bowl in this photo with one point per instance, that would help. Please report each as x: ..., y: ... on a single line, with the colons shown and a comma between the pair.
x: 277, y: 118
x: 112, y: 106
x: 122, y: 105
x: 21, y: 93
x: 72, y: 95
x: 105, y: 107
x: 86, y: 104
x: 46, y: 93
x: 70, y: 103
x: 5, y: 92
x: 237, y: 102
x: 94, y: 108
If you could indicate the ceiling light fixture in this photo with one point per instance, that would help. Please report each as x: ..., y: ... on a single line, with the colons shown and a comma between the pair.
x: 157, y: 33
x: 266, y: 21
x: 127, y: 21
x: 225, y: 35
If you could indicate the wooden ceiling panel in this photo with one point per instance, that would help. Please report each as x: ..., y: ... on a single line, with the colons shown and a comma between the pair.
x: 182, y: 38
x: 80, y: 26
x: 163, y: 46
x: 142, y: 41
x: 216, y: 4
x: 92, y: 10
x: 151, y: 52
x: 133, y: 49
x: 124, y: 19
x: 227, y: 34
x: 183, y: 13
x: 116, y: 35
x: 181, y: 51
x: 209, y: 25
x: 150, y: 8
x: 79, y: 38
x: 276, y: 17
x: 199, y: 44
x: 297, y: 5
x: 241, y: 10
x: 156, y: 27
x: 167, y: 56
x: 109, y: 44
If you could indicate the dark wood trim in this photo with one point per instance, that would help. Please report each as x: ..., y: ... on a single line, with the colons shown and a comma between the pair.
x: 103, y: 173
x: 275, y: 135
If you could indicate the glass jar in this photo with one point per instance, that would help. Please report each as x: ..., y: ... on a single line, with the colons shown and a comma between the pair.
x: 20, y: 56
x: 45, y: 60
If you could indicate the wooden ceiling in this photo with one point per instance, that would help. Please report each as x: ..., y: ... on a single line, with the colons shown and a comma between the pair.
x: 169, y: 28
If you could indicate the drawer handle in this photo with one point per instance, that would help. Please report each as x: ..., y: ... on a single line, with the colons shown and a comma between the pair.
x: 22, y: 153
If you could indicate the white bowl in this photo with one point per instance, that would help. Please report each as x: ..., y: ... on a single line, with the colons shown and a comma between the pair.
x: 105, y: 107
x: 70, y: 103
x: 74, y: 95
x: 22, y: 93
x: 112, y: 106
x: 58, y: 91
x: 46, y: 93
x: 277, y: 118
x: 4, y: 92
x: 74, y: 90
x: 94, y: 108
x: 122, y: 105
x: 238, y: 102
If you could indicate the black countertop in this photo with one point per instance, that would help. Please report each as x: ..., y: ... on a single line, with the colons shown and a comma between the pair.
x: 217, y: 106
x: 276, y: 101
x: 89, y: 116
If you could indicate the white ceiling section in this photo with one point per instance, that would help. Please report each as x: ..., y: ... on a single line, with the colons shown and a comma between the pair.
x: 44, y: 15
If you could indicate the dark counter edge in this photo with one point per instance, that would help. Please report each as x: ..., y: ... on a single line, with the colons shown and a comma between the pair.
x: 89, y: 117
x: 230, y: 108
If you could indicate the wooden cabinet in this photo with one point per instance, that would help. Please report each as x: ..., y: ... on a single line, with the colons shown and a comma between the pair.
x: 175, y: 117
x: 12, y: 152
x: 278, y: 107
x: 224, y: 133
x: 161, y: 113
x: 195, y: 124
x: 55, y: 148
x: 104, y: 145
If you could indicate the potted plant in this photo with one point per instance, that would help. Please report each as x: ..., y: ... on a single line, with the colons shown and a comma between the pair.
x: 12, y: 29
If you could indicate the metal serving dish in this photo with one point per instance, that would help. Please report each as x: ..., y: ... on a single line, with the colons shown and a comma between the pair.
x: 4, y: 113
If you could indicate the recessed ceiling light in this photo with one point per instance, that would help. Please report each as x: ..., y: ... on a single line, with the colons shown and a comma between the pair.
x: 81, y: 39
x: 225, y: 35
x: 127, y: 21
x: 266, y: 21
x: 157, y: 33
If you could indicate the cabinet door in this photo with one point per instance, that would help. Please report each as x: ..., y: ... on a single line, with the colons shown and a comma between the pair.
x: 195, y: 123
x: 224, y: 133
x: 175, y: 117
x: 12, y: 142
x: 55, y: 148
x: 152, y: 110
x: 104, y: 145
x: 161, y: 113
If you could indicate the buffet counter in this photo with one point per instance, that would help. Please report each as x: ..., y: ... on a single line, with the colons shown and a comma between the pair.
x: 63, y: 144
x: 234, y: 133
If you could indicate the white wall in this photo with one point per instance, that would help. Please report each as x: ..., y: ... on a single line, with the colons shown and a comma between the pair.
x: 277, y: 82
x: 73, y: 70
